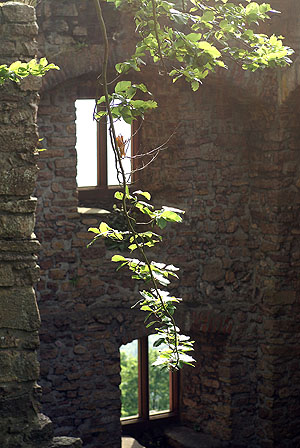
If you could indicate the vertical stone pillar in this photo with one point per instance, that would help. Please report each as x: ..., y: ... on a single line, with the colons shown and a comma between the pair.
x: 275, y: 223
x: 21, y: 425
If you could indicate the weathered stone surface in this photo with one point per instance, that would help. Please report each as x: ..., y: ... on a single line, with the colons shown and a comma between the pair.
x: 18, y: 366
x: 65, y: 442
x: 183, y: 437
x: 6, y: 275
x: 233, y: 165
x: 21, y: 141
x: 18, y: 309
x: 17, y: 181
x: 130, y: 442
x: 19, y: 206
x: 16, y: 226
x: 20, y: 29
x: 18, y: 12
x: 65, y: 9
x: 21, y: 246
x: 213, y: 272
x: 42, y: 430
x: 20, y: 424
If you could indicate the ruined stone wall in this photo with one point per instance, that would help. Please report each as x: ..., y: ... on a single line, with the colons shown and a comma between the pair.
x: 232, y: 164
x: 21, y: 423
x: 19, y: 317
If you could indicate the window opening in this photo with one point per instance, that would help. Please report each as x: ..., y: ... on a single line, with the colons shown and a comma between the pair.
x: 146, y: 392
x: 95, y: 157
x: 86, y: 143
x: 129, y: 379
x: 159, y: 381
x: 122, y: 129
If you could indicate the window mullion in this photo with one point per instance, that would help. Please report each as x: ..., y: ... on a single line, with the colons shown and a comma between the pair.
x: 143, y: 378
x: 174, y: 391
x: 102, y: 153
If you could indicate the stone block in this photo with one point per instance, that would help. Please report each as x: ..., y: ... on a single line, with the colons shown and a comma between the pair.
x: 42, y: 430
x: 21, y: 340
x: 213, y: 272
x: 18, y: 309
x: 18, y: 366
x: 6, y: 275
x: 130, y: 442
x: 18, y: 181
x: 20, y: 29
x: 19, y: 206
x: 21, y: 141
x: 18, y: 12
x: 66, y: 9
x: 12, y: 226
x: 25, y: 247
x: 65, y: 442
x: 280, y: 298
x: 182, y: 437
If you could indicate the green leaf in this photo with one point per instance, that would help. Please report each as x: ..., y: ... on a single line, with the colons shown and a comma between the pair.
x: 208, y: 16
x: 94, y: 230
x: 119, y: 195
x: 122, y: 86
x: 104, y: 228
x: 195, y: 85
x: 161, y: 222
x: 117, y: 258
x: 210, y: 49
x: 158, y: 342
x: 194, y: 37
x: 146, y: 194
x: 141, y: 87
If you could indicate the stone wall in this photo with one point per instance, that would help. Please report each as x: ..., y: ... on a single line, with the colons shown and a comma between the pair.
x: 232, y: 164
x: 21, y: 424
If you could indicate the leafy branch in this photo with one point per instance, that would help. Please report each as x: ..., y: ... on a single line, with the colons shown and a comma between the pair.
x: 198, y: 41
x: 159, y: 304
x: 188, y: 43
x: 19, y: 70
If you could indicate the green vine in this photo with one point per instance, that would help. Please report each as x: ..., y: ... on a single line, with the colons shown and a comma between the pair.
x: 159, y: 304
x: 189, y: 44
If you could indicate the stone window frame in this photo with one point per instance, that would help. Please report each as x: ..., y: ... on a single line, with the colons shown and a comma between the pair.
x: 144, y: 417
x: 102, y: 190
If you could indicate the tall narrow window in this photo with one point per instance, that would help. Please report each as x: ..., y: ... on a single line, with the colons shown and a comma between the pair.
x: 159, y: 382
x: 129, y: 379
x: 86, y: 143
x: 147, y: 392
x: 96, y: 167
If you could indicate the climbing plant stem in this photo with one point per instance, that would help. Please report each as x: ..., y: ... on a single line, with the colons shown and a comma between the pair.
x: 120, y: 167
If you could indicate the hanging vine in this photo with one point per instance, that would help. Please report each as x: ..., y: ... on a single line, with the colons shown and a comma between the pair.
x: 189, y: 44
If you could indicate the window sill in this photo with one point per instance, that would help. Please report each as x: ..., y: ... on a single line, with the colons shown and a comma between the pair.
x: 93, y: 196
x: 126, y: 421
x: 92, y: 211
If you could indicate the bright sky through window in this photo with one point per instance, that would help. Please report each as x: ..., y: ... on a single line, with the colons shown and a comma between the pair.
x: 86, y: 147
x: 124, y: 129
x: 86, y: 143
